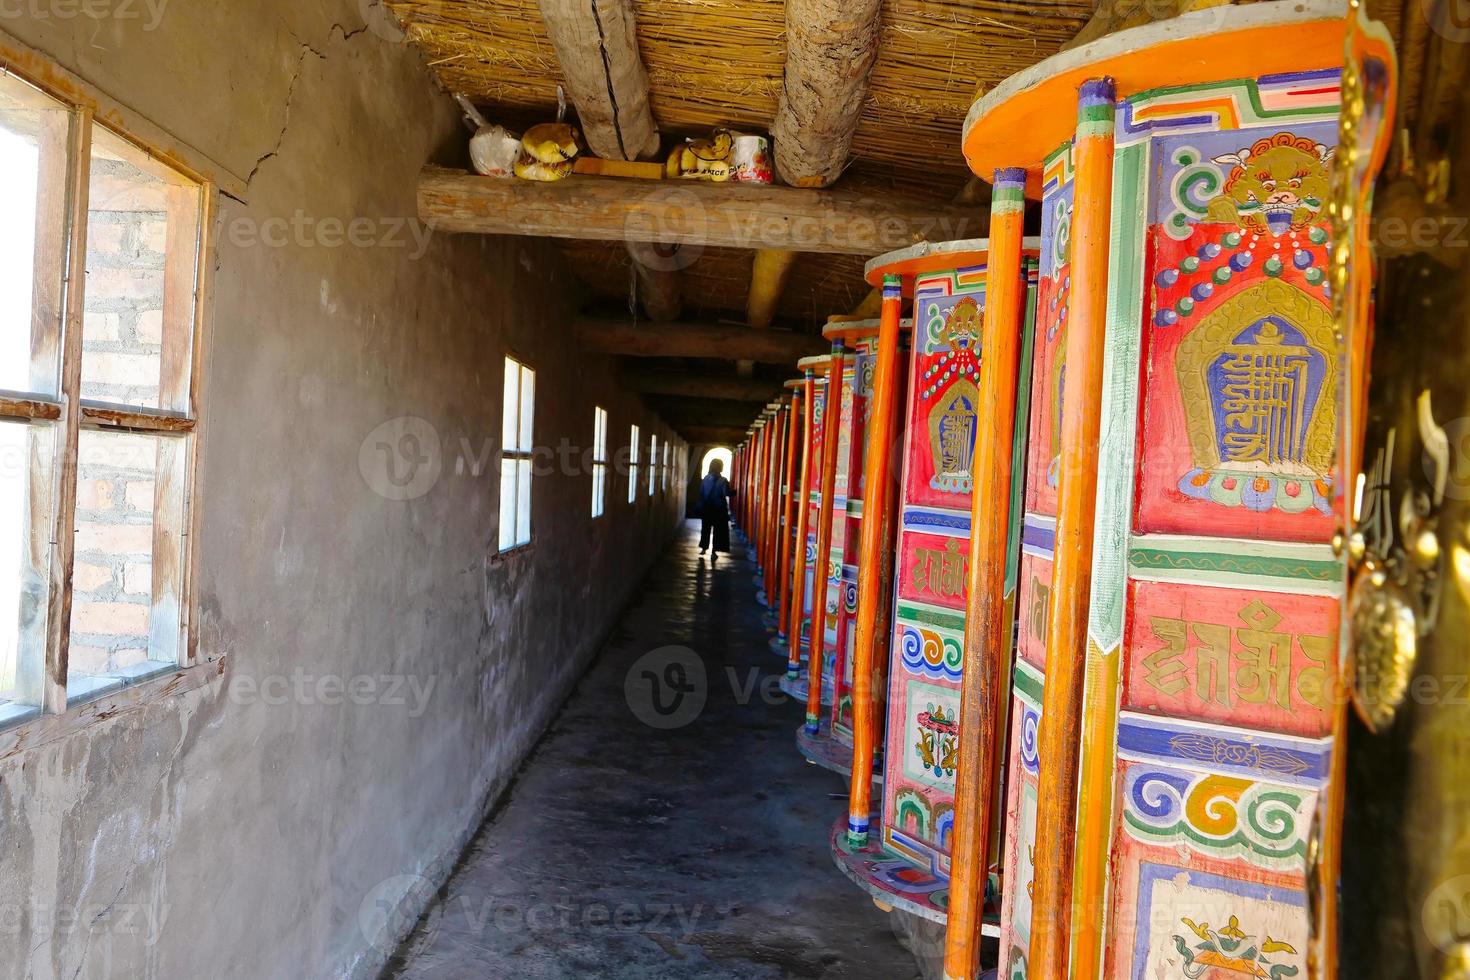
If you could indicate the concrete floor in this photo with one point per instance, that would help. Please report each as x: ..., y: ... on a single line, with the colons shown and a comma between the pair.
x: 666, y: 826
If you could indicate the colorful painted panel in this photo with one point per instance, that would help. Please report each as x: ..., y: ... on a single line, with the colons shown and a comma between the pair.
x: 1240, y: 415
x: 943, y: 402
x: 1215, y: 601
x: 933, y: 553
x: 1211, y: 845
x: 858, y: 388
x: 1258, y: 659
x: 1035, y: 602
x: 1038, y: 533
x: 1049, y: 366
x: 933, y: 568
x: 1018, y: 860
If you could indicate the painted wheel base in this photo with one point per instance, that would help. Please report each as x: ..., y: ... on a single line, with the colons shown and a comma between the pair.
x: 900, y: 883
x: 822, y: 749
x: 798, y: 688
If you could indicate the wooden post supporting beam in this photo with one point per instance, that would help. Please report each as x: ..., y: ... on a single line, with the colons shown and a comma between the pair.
x: 1071, y: 578
x: 687, y: 212
x: 874, y: 560
x: 596, y: 42
x: 685, y: 385
x: 768, y: 275
x: 831, y: 46
x: 987, y: 661
x: 694, y: 340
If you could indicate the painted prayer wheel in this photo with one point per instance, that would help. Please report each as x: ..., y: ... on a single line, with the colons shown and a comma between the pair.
x: 904, y: 861
x: 1182, y: 487
x: 855, y: 337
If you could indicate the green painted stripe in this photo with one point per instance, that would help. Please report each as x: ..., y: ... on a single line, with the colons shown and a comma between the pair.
x: 1007, y: 200
x: 1226, y: 563
x: 1029, y: 683
x: 1259, y: 113
x: 1018, y: 437
x: 1120, y: 397
x: 932, y: 617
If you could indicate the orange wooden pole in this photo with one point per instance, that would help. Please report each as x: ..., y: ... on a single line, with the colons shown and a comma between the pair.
x: 874, y: 562
x: 765, y: 491
x: 773, y: 505
x: 1061, y: 716
x: 787, y: 530
x: 778, y: 502
x: 738, y: 478
x: 756, y: 462
x: 831, y: 421
x: 987, y: 642
x: 803, y: 524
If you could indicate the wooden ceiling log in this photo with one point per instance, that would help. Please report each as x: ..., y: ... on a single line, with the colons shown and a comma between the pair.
x: 686, y: 385
x: 745, y: 216
x: 721, y: 341
x: 597, y: 45
x: 831, y: 47
x: 596, y: 42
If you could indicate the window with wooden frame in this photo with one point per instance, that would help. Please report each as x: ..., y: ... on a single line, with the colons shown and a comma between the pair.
x: 101, y: 304
x: 599, y: 461
x: 633, y: 437
x: 652, y: 463
x: 517, y: 428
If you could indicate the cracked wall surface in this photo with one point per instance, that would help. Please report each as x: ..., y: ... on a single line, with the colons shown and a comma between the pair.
x: 219, y: 833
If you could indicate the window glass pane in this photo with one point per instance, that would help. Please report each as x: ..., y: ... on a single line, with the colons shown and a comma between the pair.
x: 528, y: 410
x: 509, y: 425
x: 34, y: 129
x: 26, y: 455
x: 507, y: 504
x: 523, y: 503
x: 142, y: 252
x: 128, y: 572
x: 652, y: 463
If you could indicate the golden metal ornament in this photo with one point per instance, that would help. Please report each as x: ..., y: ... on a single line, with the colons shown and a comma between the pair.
x: 1394, y: 598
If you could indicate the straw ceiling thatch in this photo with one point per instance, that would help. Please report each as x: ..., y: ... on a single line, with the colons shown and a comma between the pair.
x: 719, y: 63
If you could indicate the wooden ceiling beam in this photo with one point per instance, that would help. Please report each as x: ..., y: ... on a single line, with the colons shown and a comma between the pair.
x: 831, y: 47
x: 733, y: 343
x: 597, y: 45
x: 596, y: 42
x: 687, y: 213
x: 686, y: 385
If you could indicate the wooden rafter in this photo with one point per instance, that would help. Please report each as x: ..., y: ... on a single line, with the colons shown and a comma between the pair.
x: 687, y: 213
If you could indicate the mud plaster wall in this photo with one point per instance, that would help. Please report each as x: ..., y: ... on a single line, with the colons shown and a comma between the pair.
x: 216, y: 835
